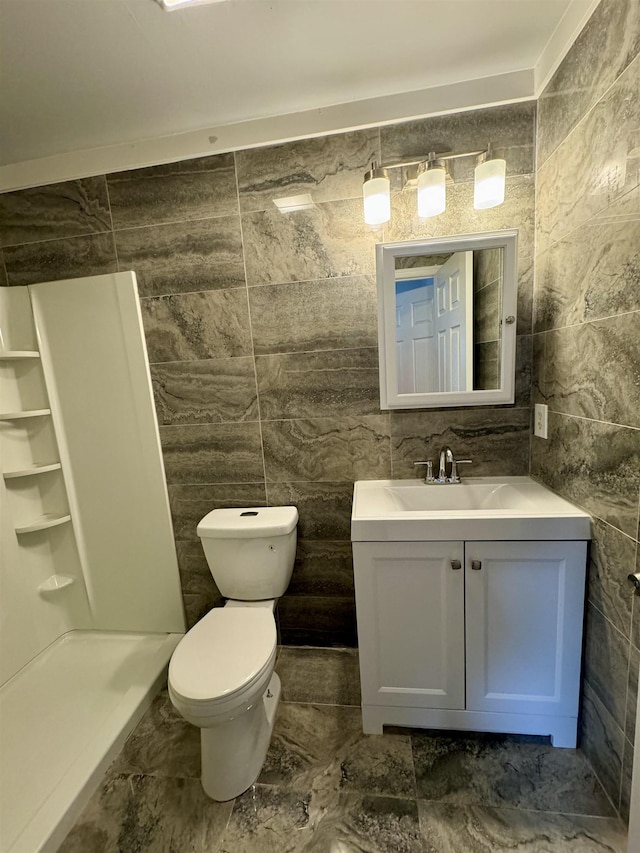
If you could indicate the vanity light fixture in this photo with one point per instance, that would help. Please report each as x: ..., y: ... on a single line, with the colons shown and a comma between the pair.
x: 432, y: 197
x: 171, y: 5
x: 429, y: 175
x: 376, y: 192
x: 489, y: 181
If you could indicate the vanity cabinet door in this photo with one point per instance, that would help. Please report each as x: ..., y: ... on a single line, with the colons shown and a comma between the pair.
x: 410, y: 610
x: 524, y: 614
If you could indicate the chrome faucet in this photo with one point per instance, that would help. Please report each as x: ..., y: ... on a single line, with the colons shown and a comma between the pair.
x: 445, y: 458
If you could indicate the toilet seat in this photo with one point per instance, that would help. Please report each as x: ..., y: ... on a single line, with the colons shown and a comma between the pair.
x: 222, y: 661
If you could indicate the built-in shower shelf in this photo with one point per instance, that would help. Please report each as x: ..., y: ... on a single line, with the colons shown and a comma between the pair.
x: 15, y: 416
x: 54, y: 584
x: 15, y: 354
x: 36, y: 468
x: 43, y: 523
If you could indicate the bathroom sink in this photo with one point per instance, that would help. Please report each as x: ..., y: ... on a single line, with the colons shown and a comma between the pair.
x: 478, y: 508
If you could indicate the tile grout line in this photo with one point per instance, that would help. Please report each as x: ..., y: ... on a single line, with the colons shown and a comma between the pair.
x: 589, y: 109
x: 598, y: 218
x: 253, y: 348
x: 115, y: 245
x: 593, y: 420
x: 590, y: 322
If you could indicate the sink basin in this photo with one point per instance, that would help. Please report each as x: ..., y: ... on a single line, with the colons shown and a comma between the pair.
x: 484, y: 508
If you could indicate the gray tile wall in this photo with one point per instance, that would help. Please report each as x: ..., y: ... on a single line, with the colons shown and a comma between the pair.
x: 262, y: 334
x: 586, y: 349
x: 487, y: 318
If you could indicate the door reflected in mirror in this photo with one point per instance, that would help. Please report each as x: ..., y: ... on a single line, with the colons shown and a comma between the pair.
x: 447, y: 320
x: 448, y: 330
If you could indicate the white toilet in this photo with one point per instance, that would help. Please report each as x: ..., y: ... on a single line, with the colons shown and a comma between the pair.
x: 221, y: 676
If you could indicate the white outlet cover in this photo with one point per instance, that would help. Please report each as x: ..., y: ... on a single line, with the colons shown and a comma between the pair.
x: 540, y: 420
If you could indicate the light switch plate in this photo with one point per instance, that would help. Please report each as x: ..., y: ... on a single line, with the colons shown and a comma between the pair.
x: 541, y: 417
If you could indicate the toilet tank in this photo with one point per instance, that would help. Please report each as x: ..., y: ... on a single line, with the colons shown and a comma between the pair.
x: 250, y: 551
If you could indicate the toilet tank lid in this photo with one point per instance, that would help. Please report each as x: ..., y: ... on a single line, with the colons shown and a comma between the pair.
x: 248, y: 522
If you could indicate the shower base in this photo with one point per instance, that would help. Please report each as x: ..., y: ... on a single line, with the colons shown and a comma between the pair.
x: 63, y: 718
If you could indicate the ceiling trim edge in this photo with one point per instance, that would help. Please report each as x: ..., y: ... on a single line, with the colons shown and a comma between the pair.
x: 372, y: 112
x: 561, y: 41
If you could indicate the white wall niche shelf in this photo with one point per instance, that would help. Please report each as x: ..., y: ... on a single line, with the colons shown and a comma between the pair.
x: 32, y: 413
x: 30, y: 471
x: 43, y: 522
x: 55, y: 584
x: 17, y: 354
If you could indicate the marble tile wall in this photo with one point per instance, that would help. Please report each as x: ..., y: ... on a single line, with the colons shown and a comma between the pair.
x: 487, y: 300
x: 587, y: 353
x: 261, y: 330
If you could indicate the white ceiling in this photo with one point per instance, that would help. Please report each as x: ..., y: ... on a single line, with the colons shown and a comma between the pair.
x: 78, y: 75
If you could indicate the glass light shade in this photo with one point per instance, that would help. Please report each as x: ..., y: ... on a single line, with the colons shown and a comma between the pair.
x: 376, y: 193
x: 431, y: 192
x: 489, y: 184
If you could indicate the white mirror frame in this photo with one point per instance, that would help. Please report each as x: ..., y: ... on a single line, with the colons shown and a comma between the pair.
x: 386, y: 254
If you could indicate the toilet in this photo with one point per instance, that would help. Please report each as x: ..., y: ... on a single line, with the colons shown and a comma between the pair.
x: 221, y: 674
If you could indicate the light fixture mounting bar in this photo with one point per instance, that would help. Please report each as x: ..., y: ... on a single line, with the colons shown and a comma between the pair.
x: 399, y: 164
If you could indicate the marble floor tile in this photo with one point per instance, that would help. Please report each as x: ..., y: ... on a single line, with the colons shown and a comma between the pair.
x: 144, y: 814
x: 373, y: 824
x: 450, y: 829
x: 327, y: 787
x: 162, y: 744
x: 322, y: 748
x: 272, y: 820
x: 500, y: 770
x: 320, y: 676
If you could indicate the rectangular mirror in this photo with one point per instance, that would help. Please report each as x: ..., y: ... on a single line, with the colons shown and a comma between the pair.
x: 447, y: 321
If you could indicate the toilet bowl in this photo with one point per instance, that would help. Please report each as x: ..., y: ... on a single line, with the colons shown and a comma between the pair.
x: 221, y: 675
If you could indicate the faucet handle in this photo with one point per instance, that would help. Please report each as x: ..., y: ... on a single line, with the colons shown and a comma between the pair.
x: 455, y: 478
x: 429, y: 475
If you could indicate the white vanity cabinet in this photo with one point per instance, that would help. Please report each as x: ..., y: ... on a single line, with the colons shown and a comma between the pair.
x: 473, y: 635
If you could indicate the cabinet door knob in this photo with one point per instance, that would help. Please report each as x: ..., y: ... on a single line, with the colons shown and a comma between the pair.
x: 456, y: 564
x: 476, y: 565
